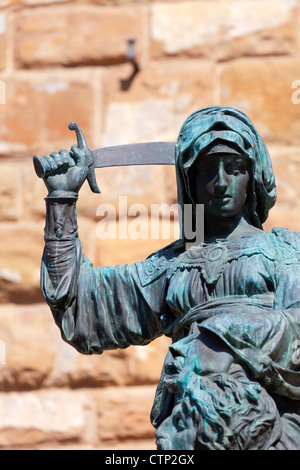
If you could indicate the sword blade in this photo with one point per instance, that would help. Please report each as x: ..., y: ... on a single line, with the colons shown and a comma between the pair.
x: 148, y: 153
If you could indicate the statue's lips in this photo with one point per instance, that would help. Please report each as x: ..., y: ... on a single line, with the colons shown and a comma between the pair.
x: 221, y: 200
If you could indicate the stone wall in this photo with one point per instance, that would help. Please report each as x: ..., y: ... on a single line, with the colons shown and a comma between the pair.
x: 63, y: 61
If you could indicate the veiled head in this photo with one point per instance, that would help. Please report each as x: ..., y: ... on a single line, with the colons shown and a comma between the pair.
x: 208, y: 132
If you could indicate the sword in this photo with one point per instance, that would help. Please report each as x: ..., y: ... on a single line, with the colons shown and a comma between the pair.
x: 148, y: 153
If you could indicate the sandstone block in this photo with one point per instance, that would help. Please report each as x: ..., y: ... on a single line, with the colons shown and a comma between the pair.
x: 283, y: 216
x: 29, y: 337
x: 133, y: 444
x: 130, y: 444
x: 286, y: 167
x: 20, y: 256
x: 21, y: 116
x: 39, y: 109
x: 36, y: 417
x: 33, y: 194
x: 5, y: 3
x: 40, y: 2
x: 112, y: 418
x: 50, y: 362
x: 73, y: 36
x: 123, y: 413
x: 10, y: 192
x: 158, y: 101
x: 223, y: 29
x: 263, y: 90
x: 118, y: 2
x: 145, y: 363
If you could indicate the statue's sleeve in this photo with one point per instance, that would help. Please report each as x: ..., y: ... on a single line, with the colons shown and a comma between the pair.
x: 98, y: 308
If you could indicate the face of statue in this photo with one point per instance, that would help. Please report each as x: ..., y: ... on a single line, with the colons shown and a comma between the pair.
x: 221, y: 182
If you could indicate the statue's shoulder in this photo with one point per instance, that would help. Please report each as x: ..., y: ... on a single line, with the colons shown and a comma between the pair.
x: 157, y: 264
x: 288, y: 241
x: 287, y: 236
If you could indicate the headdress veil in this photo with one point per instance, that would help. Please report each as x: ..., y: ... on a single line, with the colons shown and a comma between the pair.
x: 213, y: 125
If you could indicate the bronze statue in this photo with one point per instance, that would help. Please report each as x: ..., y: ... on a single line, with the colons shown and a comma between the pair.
x: 230, y: 304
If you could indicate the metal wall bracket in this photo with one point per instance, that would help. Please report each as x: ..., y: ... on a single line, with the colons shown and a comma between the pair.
x: 130, y: 57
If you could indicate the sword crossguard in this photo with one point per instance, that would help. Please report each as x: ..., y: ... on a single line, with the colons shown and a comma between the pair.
x: 81, y: 143
x: 42, y: 169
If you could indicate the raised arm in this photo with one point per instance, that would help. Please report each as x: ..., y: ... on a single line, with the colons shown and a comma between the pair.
x: 95, y: 308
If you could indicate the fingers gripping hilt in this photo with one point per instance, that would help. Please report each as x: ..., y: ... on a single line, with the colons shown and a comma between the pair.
x: 43, y: 169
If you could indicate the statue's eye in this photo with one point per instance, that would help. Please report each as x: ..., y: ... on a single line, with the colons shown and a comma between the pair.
x: 235, y: 168
x: 231, y: 165
x: 232, y: 170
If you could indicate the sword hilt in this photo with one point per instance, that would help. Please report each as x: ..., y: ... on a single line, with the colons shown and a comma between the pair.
x: 43, y: 169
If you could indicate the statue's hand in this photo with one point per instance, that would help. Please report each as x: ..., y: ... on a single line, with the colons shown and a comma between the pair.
x: 68, y: 169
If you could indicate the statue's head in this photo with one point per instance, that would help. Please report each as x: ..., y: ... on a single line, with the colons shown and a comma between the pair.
x: 225, y: 137
x: 219, y: 411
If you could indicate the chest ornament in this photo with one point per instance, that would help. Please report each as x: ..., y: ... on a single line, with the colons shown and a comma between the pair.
x: 210, y: 259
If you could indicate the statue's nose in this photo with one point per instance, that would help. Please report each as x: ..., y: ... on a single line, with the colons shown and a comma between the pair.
x: 221, y: 177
